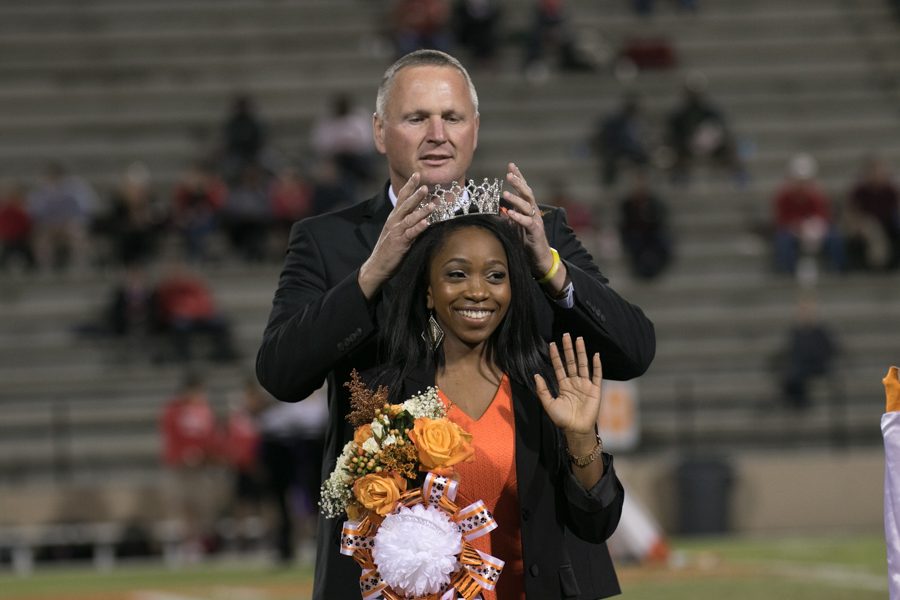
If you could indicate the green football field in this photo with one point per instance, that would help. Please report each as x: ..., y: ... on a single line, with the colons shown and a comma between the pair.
x: 826, y: 568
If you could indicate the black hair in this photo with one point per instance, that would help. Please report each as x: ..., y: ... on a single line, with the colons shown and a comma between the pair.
x: 515, y: 346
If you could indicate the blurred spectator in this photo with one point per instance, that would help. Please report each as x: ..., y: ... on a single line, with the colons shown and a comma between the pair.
x: 577, y: 214
x: 620, y: 137
x: 330, y: 190
x: 246, y: 214
x: 198, y: 197
x: 698, y: 130
x: 15, y: 228
x: 644, y: 230
x: 550, y: 31
x: 873, y: 219
x: 186, y: 308
x: 291, y: 199
x: 190, y: 442
x: 245, y: 137
x: 475, y: 24
x: 291, y: 453
x: 649, y: 52
x: 421, y: 24
x: 132, y: 310
x: 345, y: 136
x: 645, y: 8
x: 810, y: 352
x: 135, y: 220
x: 241, y: 452
x: 803, y: 219
x: 62, y: 208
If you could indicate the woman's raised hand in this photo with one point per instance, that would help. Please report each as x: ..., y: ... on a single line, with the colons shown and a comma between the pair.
x: 576, y: 409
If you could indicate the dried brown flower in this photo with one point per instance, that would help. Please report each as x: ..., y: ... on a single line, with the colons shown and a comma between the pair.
x: 363, y: 401
x: 400, y: 459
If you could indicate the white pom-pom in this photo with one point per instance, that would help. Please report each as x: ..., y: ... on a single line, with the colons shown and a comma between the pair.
x: 416, y: 550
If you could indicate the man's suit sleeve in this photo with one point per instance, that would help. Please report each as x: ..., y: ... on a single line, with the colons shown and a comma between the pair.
x: 311, y: 326
x: 610, y: 325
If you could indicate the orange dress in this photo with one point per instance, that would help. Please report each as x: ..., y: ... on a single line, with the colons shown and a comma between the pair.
x: 492, y: 478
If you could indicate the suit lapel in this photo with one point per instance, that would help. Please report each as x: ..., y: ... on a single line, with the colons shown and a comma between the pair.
x: 529, y: 434
x: 377, y: 210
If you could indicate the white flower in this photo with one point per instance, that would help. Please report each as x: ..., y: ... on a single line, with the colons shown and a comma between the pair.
x: 370, y: 445
x: 389, y: 441
x: 425, y: 404
x: 416, y: 549
x: 377, y: 429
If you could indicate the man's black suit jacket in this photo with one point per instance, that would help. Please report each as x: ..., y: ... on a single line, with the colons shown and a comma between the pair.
x: 321, y: 327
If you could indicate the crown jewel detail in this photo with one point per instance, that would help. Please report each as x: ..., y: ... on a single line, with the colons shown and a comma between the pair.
x: 457, y: 201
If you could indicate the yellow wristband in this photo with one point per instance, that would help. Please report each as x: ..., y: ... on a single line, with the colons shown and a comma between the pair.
x: 551, y: 273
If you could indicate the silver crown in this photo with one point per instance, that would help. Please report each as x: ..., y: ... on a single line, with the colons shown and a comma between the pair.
x: 457, y: 201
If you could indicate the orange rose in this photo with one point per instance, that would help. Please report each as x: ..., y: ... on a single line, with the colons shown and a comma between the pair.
x: 441, y: 443
x: 362, y: 433
x: 379, y: 492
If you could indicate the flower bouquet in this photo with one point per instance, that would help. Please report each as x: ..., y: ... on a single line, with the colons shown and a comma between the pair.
x: 405, y: 530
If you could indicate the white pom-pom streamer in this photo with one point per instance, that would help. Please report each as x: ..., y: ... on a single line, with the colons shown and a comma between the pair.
x: 416, y: 550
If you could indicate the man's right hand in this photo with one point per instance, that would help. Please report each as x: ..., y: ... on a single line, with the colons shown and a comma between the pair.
x: 402, y: 227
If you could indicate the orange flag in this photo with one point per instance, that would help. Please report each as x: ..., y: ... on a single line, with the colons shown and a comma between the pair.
x: 890, y: 430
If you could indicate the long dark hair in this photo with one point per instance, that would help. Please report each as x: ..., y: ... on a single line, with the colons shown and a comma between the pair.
x: 515, y: 346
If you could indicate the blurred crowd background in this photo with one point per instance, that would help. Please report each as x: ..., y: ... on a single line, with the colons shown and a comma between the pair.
x: 730, y: 165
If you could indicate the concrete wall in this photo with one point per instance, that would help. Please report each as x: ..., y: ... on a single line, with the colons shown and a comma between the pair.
x: 776, y: 492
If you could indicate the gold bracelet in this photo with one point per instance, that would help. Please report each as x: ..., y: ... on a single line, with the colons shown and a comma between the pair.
x: 583, y: 461
x: 551, y: 273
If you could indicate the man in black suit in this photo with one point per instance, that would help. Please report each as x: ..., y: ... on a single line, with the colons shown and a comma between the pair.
x: 335, y: 283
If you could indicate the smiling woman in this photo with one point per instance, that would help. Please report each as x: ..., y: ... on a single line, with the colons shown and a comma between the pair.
x: 463, y: 317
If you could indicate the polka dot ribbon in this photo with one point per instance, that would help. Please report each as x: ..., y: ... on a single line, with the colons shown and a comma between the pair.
x: 477, y: 570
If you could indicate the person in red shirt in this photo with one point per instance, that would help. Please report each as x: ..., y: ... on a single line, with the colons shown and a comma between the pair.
x: 873, y: 217
x: 185, y: 307
x: 190, y: 443
x: 15, y: 228
x: 240, y: 444
x: 803, y: 220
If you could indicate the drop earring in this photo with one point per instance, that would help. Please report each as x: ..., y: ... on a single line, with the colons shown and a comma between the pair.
x: 433, y: 334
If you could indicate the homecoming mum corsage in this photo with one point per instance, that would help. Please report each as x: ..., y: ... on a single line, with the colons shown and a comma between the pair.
x: 405, y: 531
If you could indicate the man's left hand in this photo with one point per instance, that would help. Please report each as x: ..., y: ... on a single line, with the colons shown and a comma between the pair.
x: 526, y: 213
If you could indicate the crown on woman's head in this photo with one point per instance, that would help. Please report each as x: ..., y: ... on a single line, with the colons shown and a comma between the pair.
x: 457, y: 201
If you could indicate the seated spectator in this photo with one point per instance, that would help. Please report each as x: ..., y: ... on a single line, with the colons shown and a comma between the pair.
x: 620, y: 138
x: 873, y: 219
x: 132, y: 309
x: 330, y: 190
x: 803, y: 219
x: 475, y: 25
x: 245, y: 137
x: 421, y: 24
x: 198, y: 198
x: 551, y: 32
x: 698, y: 130
x: 246, y: 214
x: 345, y: 136
x: 577, y: 214
x: 291, y: 199
x: 15, y: 228
x: 190, y: 443
x: 186, y: 308
x: 62, y: 209
x: 135, y: 220
x: 644, y: 230
x: 810, y: 352
x: 649, y: 52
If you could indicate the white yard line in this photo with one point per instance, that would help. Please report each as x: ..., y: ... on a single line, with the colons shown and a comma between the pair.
x: 836, y: 575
